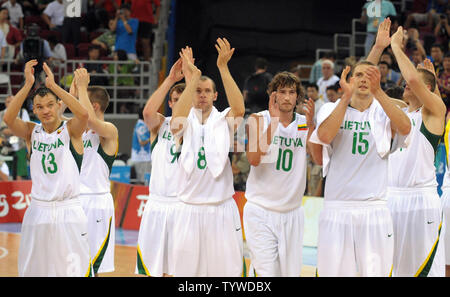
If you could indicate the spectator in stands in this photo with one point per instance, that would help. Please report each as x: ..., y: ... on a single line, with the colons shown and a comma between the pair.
x: 384, y: 71
x: 125, y: 68
x: 71, y: 30
x: 107, y: 40
x: 143, y: 11
x: 140, y: 150
x: 328, y: 79
x: 442, y: 30
x: 5, y: 28
x: 15, y: 13
x: 387, y: 9
x: 444, y: 81
x: 437, y: 56
x: 316, y: 70
x: 17, y: 147
x: 58, y: 51
x: 412, y: 44
x: 3, y: 47
x: 53, y: 15
x: 96, y: 68
x: 417, y: 57
x: 393, y: 75
x: 428, y: 18
x: 255, y: 87
x: 126, y: 29
x: 312, y: 92
x: 332, y: 93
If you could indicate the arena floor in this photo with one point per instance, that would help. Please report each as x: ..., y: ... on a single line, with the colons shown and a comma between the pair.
x: 125, y: 253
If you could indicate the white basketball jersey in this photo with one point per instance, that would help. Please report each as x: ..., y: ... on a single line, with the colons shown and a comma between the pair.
x: 280, y: 185
x: 200, y: 186
x: 54, y: 165
x: 96, y: 166
x: 414, y: 166
x: 356, y: 172
x: 165, y: 169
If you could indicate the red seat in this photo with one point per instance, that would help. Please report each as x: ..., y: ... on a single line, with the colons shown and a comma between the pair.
x: 70, y: 50
x: 83, y: 49
x: 94, y: 35
x: 45, y: 34
x: 37, y: 19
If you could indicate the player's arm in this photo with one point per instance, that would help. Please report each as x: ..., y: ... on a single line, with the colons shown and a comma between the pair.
x: 232, y: 91
x: 258, y: 140
x: 329, y: 128
x: 15, y: 124
x: 428, y: 65
x: 382, y: 41
x: 104, y: 129
x: 192, y: 76
x: 152, y: 118
x: 309, y: 113
x: 432, y: 104
x: 77, y: 125
x: 399, y: 120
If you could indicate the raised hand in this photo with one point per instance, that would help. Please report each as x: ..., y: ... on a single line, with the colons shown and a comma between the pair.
x: 176, y: 72
x: 50, y: 80
x: 374, y: 76
x: 428, y: 65
x: 187, y: 59
x: 347, y: 87
x: 309, y: 109
x: 73, y: 87
x: 397, y: 38
x: 82, y: 78
x: 274, y: 108
x: 383, y: 36
x: 29, y: 71
x: 225, y: 52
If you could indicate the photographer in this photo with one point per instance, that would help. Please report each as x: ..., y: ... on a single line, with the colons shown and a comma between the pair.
x: 11, y: 145
x: 34, y: 47
x: 126, y: 29
x: 442, y: 29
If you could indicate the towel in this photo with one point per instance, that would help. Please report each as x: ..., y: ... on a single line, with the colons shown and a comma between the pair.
x: 216, y: 142
x: 380, y: 127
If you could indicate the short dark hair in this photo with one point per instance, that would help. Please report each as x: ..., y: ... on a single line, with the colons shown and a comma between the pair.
x: 285, y: 79
x: 438, y: 46
x: 99, y: 95
x: 333, y: 88
x: 385, y: 63
x: 42, y: 92
x: 312, y: 86
x: 94, y: 47
x: 395, y: 92
x: 428, y: 77
x: 261, y: 63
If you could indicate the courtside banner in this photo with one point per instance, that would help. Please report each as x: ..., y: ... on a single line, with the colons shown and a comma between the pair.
x: 14, y: 200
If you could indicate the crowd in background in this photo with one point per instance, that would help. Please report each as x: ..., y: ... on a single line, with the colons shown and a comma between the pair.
x: 106, y: 25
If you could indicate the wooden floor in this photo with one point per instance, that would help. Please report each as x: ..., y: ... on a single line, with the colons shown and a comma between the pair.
x: 125, y: 259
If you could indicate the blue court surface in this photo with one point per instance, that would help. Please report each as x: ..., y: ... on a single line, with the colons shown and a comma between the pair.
x: 129, y: 238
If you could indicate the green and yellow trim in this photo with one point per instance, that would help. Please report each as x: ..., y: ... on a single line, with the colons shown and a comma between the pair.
x: 89, y: 272
x: 101, y: 253
x: 426, y: 265
x: 142, y: 269
x: 446, y: 135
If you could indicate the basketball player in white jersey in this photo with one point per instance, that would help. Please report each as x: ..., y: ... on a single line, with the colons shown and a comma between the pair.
x: 101, y: 144
x: 273, y: 216
x: 156, y: 232
x: 354, y: 136
x: 54, y: 239
x: 208, y: 228
x: 412, y: 194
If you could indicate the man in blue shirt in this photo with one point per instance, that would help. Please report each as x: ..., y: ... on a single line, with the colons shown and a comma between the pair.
x: 373, y: 15
x: 126, y: 29
x: 140, y: 150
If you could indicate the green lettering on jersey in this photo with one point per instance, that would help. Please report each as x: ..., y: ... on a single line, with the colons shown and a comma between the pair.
x: 87, y: 143
x: 45, y: 147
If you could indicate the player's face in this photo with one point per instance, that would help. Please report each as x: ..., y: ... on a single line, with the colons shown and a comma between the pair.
x: 205, y: 95
x: 361, y: 81
x: 46, y: 108
x: 286, y: 98
x: 174, y: 97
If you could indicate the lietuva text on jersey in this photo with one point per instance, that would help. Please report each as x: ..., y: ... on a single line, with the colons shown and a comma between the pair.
x: 352, y: 125
x: 45, y: 147
x: 284, y: 141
